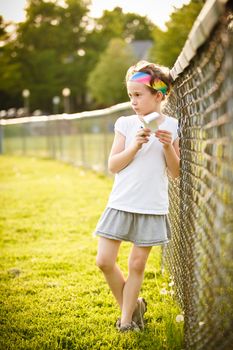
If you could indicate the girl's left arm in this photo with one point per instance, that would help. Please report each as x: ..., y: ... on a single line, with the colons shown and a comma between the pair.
x: 171, y: 151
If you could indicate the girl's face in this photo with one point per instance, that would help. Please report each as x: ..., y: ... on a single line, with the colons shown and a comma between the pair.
x: 142, y: 100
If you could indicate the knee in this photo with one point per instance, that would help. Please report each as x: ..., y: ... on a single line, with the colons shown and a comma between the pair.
x: 104, y: 264
x: 137, y: 265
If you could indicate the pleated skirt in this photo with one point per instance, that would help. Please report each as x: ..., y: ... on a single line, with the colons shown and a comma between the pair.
x: 140, y: 229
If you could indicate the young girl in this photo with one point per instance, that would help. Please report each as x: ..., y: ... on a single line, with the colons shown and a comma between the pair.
x: 138, y: 204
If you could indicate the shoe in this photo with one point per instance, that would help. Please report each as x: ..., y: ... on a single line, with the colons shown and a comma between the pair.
x: 129, y: 327
x: 139, y: 313
x: 118, y: 324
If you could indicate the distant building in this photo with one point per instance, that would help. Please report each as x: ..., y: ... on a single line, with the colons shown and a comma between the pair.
x: 141, y: 48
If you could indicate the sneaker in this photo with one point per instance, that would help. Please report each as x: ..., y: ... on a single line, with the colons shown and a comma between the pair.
x: 139, y: 313
x: 129, y: 327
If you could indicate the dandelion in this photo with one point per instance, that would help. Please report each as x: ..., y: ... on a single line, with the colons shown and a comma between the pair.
x: 163, y: 291
x: 171, y: 284
x: 179, y: 318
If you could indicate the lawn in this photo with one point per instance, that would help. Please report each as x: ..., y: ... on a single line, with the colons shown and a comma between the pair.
x: 52, y: 296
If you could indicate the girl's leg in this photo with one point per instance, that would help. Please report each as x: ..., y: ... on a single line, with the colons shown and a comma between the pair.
x: 106, y: 261
x: 137, y: 262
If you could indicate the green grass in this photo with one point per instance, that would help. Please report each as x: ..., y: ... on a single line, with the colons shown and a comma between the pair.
x: 52, y: 296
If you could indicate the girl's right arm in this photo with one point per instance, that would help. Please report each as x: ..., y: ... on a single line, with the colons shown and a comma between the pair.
x: 120, y: 156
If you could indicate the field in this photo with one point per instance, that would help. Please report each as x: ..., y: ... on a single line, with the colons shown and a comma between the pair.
x: 52, y: 295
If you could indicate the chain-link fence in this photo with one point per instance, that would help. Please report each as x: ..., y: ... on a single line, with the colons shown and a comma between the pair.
x: 201, y: 252
x: 201, y: 200
x: 83, y: 139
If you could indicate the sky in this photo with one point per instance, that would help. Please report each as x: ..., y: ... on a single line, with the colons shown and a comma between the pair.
x: 156, y: 10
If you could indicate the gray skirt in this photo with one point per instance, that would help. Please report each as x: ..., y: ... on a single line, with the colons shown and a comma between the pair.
x: 141, y: 229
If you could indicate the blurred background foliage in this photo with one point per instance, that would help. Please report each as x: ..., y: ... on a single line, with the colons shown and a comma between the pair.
x: 61, y: 46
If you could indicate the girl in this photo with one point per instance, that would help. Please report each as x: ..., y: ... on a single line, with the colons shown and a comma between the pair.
x: 138, y: 204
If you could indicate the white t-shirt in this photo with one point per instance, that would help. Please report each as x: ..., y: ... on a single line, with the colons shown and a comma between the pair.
x: 142, y: 186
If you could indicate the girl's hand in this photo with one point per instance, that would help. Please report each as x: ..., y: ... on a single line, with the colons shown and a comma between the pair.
x: 165, y: 137
x: 142, y: 137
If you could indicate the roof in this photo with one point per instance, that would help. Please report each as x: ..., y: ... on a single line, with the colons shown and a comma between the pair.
x: 141, y: 48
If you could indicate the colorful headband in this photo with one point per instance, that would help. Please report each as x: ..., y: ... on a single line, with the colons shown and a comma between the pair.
x: 145, y: 78
x: 135, y: 75
x: 136, y: 68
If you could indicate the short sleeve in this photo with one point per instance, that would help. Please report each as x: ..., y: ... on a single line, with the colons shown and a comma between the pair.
x: 121, y: 125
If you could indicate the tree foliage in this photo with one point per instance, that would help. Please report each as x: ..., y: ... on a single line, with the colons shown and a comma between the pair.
x: 129, y: 26
x: 56, y: 47
x: 49, y: 42
x: 10, y: 69
x: 106, y: 81
x: 168, y: 44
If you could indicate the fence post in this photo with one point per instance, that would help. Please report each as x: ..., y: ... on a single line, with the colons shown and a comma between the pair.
x: 1, y: 139
x: 82, y: 142
x: 24, y: 138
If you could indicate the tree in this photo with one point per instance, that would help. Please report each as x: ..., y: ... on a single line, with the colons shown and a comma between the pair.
x: 55, y: 47
x: 106, y: 81
x: 50, y: 50
x: 10, y: 70
x: 116, y: 24
x: 129, y: 26
x: 168, y: 44
x: 138, y: 27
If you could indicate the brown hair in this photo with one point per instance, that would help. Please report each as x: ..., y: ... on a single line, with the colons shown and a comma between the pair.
x: 161, y: 72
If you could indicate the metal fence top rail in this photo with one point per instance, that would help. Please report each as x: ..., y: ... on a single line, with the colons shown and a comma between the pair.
x: 64, y: 116
x: 200, y: 32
